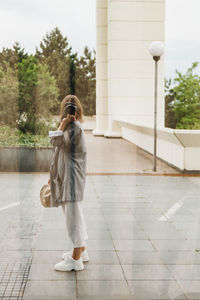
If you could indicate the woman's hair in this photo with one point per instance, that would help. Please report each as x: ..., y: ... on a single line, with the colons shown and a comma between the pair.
x: 74, y: 99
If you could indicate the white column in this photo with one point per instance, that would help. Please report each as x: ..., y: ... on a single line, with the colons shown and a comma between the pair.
x: 132, y: 26
x: 101, y: 68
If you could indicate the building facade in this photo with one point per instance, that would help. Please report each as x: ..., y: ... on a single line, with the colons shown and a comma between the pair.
x: 124, y: 66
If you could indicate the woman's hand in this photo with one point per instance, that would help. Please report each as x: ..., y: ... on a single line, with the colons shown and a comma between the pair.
x: 66, y: 121
x: 49, y: 181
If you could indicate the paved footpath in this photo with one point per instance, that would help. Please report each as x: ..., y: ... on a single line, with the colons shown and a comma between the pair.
x: 144, y: 237
x: 118, y: 156
x: 143, y: 231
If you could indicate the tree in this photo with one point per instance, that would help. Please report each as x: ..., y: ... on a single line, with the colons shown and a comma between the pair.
x: 8, y: 96
x: 11, y: 56
x: 170, y: 120
x: 46, y: 92
x: 72, y: 73
x: 186, y: 103
x: 85, y: 81
x: 27, y: 76
x: 46, y: 98
x: 55, y: 53
x: 37, y: 95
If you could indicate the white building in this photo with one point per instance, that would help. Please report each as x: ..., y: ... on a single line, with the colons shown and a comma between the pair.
x: 125, y: 81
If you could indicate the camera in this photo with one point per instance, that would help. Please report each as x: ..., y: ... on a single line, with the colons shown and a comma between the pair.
x: 70, y: 108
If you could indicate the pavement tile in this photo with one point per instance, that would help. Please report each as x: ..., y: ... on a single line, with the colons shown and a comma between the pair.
x: 140, y: 257
x: 97, y: 244
x: 101, y: 272
x: 124, y: 234
x: 191, y: 288
x: 47, y: 256
x: 103, y: 290
x: 98, y: 234
x: 50, y: 289
x: 180, y: 257
x: 164, y: 233
x: 185, y: 272
x: 176, y: 245
x: 47, y: 272
x: 156, y: 290
x: 133, y: 245
x: 147, y: 272
x: 127, y: 241
x: 50, y: 244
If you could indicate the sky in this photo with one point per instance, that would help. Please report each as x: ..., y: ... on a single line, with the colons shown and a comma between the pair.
x: 182, y: 38
x: 27, y: 21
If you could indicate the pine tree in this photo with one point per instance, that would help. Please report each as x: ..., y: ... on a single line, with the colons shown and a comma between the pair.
x: 11, y: 56
x: 28, y: 77
x: 85, y: 82
x: 55, y: 53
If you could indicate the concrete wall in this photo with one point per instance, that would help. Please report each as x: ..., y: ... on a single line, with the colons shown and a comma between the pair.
x: 179, y: 148
x: 25, y: 159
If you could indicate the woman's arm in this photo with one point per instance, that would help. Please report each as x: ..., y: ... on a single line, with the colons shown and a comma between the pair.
x: 57, y: 136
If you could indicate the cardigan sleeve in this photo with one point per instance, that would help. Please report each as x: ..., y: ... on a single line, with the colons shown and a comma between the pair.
x: 56, y: 138
x: 74, y: 133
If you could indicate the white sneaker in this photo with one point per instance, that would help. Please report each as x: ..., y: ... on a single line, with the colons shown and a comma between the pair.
x: 84, y: 255
x: 69, y: 264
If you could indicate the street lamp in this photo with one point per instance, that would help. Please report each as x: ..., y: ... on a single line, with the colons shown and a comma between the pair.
x: 156, y: 49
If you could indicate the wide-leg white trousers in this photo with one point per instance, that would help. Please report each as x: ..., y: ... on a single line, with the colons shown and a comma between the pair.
x: 75, y: 222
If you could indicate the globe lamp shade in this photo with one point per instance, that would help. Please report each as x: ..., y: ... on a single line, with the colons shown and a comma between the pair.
x: 156, y: 49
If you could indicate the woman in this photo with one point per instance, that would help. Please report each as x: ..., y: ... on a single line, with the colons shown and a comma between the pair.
x: 67, y: 180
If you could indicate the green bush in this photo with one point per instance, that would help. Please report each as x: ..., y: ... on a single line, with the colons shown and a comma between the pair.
x: 183, y: 100
x: 12, y: 137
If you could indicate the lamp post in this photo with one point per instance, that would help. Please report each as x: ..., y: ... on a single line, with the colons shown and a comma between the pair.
x: 156, y: 49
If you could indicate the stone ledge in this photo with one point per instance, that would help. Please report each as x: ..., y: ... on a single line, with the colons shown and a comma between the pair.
x: 25, y: 159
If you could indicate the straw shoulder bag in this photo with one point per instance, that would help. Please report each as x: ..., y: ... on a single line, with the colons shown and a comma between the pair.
x: 45, y: 194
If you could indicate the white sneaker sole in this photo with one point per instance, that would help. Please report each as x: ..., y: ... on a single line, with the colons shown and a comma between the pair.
x: 70, y: 269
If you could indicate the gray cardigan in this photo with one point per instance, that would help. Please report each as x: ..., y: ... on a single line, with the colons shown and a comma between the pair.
x: 68, y: 164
